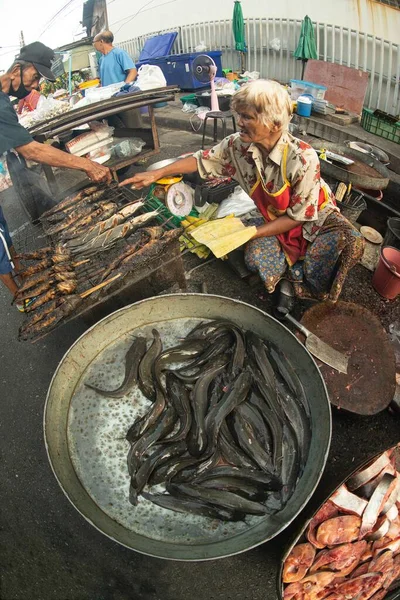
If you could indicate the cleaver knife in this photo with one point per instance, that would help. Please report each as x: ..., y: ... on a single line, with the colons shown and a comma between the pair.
x: 320, y: 349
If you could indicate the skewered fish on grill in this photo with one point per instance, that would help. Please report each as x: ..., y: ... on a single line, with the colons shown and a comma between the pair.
x: 103, y: 211
x: 105, y: 240
x: 39, y: 266
x: 70, y: 200
x: 104, y: 225
x: 136, y: 241
x: 49, y: 295
x: 35, y: 254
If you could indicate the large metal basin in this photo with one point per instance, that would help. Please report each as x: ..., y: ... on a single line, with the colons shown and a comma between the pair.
x: 173, y: 309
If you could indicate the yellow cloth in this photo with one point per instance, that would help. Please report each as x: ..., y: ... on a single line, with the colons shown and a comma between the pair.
x: 223, y: 235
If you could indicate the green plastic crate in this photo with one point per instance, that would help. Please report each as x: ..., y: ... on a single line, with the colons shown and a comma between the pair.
x: 153, y: 203
x: 380, y: 126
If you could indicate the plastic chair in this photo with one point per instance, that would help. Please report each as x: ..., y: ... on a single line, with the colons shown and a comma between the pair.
x: 215, y: 115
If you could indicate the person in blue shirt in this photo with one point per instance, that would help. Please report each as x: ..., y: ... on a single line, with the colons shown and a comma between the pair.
x: 116, y: 66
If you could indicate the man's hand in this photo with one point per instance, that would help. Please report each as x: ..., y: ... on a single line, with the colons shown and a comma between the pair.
x: 98, y: 173
x: 126, y: 87
x: 141, y: 180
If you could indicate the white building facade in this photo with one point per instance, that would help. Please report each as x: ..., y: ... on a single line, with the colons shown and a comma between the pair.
x: 364, y: 34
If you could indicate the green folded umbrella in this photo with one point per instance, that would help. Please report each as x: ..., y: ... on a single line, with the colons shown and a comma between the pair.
x: 306, y: 48
x: 238, y: 30
x: 238, y: 27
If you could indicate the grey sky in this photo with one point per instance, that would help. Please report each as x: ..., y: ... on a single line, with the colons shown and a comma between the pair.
x: 34, y: 18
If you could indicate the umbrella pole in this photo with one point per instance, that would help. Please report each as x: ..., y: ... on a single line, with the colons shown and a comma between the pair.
x: 304, y: 61
x: 242, y: 62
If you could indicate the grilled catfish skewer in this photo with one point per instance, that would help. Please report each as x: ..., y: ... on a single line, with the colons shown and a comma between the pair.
x: 55, y: 258
x: 78, y: 239
x: 37, y: 316
x: 81, y: 205
x: 51, y: 318
x: 47, y: 274
x: 33, y: 292
x: 108, y: 238
x: 35, y: 279
x: 80, y: 226
x: 39, y: 266
x: 69, y: 200
x: 78, y: 214
x: 56, y: 310
x: 65, y: 287
x: 49, y: 295
x: 149, y: 251
x: 36, y: 254
x: 138, y: 240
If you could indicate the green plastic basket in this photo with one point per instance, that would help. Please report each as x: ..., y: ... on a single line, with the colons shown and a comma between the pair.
x: 379, y: 125
x: 153, y: 203
x: 190, y: 98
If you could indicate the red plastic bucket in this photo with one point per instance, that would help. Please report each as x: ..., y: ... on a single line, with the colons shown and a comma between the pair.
x: 386, y: 279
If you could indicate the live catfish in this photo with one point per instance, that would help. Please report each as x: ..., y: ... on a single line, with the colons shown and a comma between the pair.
x: 228, y: 430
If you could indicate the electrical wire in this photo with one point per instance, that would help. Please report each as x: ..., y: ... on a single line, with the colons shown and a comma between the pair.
x: 143, y: 9
x: 135, y: 14
x: 57, y: 14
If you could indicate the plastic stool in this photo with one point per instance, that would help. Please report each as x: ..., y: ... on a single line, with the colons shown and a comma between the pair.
x: 215, y: 115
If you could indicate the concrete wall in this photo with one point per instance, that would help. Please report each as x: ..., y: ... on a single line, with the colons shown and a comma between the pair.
x: 367, y: 16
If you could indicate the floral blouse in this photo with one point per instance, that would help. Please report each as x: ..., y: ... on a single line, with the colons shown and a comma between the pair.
x: 246, y: 164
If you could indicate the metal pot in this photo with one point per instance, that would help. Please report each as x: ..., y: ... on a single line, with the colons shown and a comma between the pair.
x: 378, y: 182
x: 161, y: 164
x: 367, y: 149
x: 203, y: 541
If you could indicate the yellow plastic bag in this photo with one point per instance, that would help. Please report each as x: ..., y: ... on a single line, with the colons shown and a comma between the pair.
x: 222, y: 236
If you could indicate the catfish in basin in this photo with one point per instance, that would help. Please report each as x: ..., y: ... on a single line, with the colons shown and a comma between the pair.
x: 132, y: 361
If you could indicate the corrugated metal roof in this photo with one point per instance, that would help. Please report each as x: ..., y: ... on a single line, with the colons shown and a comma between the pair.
x: 84, y: 42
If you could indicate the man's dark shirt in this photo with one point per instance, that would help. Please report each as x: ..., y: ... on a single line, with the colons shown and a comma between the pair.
x: 12, y: 134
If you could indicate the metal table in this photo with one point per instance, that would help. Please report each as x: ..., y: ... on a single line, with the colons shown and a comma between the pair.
x: 52, y: 128
x: 36, y: 193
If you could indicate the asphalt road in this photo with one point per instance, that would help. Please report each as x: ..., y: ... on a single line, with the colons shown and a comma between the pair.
x: 48, y: 551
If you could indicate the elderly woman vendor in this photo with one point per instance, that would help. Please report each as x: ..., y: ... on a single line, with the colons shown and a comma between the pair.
x: 301, y: 236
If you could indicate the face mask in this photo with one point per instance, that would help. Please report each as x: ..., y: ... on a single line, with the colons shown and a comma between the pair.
x: 21, y: 92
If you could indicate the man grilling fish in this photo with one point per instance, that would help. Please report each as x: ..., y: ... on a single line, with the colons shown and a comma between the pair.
x: 31, y: 65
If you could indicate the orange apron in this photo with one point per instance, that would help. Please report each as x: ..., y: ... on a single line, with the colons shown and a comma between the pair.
x: 274, y: 205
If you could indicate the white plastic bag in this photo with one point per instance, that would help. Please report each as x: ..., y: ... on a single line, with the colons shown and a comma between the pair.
x: 96, y: 94
x: 102, y: 154
x: 275, y: 44
x: 251, y: 74
x: 45, y: 109
x: 150, y: 77
x: 129, y: 147
x: 189, y: 108
x: 196, y: 120
x: 84, y: 143
x: 201, y: 47
x: 238, y: 203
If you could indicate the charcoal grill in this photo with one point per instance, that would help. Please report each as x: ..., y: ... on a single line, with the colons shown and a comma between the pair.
x: 146, y: 280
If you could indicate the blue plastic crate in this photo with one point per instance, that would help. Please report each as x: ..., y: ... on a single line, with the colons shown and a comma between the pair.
x: 177, y: 68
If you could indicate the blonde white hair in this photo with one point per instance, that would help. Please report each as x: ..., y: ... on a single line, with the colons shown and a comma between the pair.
x: 269, y: 99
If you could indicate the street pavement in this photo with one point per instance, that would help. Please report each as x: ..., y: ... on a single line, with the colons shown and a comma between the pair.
x: 47, y: 550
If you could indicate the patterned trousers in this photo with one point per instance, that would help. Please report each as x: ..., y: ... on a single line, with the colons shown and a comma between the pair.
x: 321, y: 274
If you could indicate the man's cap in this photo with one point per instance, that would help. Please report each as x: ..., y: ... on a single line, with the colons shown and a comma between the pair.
x: 40, y: 56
